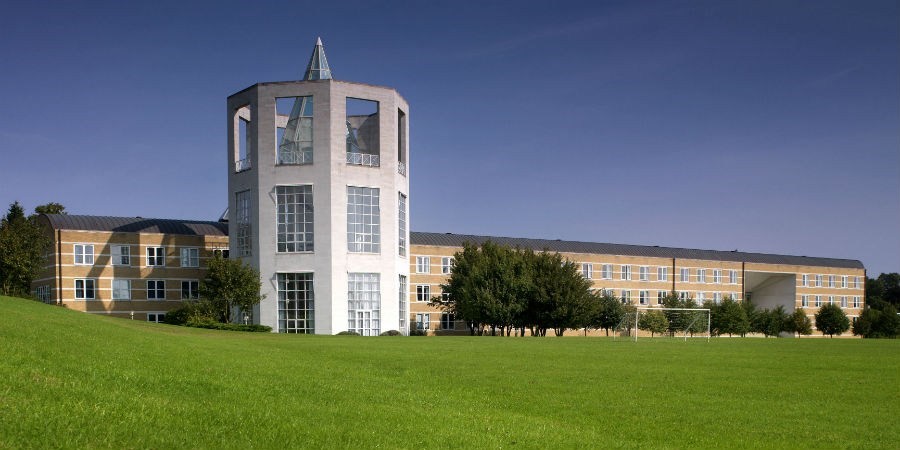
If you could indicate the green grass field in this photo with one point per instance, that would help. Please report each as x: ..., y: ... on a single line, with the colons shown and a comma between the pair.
x: 70, y: 379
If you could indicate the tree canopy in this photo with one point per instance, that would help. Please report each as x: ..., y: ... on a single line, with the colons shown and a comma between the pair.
x: 23, y: 248
x: 230, y: 284
x: 831, y: 320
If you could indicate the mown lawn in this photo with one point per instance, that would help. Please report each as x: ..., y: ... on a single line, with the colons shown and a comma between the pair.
x: 70, y: 379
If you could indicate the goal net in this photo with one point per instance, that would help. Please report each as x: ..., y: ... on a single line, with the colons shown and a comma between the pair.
x: 666, y: 322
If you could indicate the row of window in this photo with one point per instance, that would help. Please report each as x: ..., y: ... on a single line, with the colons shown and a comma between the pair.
x: 86, y: 289
x: 120, y: 255
x: 662, y: 274
x: 423, y: 264
x: 818, y: 299
x: 423, y: 321
x: 830, y: 281
x: 294, y: 220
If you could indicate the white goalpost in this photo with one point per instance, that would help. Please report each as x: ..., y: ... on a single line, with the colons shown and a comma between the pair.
x: 672, y: 322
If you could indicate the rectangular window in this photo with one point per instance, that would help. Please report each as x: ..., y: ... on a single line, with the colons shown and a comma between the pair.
x: 732, y: 277
x: 804, y: 280
x: 606, y: 272
x: 644, y: 297
x: 830, y: 299
x: 423, y: 322
x: 856, y: 282
x: 294, y: 209
x: 644, y: 273
x: 423, y: 293
x: 242, y: 138
x: 804, y: 301
x: 85, y: 289
x: 626, y: 297
x: 701, y: 275
x: 662, y: 274
x: 843, y: 301
x: 401, y: 221
x: 43, y: 293
x: 660, y: 296
x: 717, y: 297
x: 626, y: 272
x: 684, y: 295
x: 296, y: 303
x: 190, y: 290
x: 404, y: 303
x: 401, y: 142
x: 294, y: 132
x: 363, y: 133
x: 844, y: 281
x: 831, y: 281
x: 121, y: 289
x: 121, y: 255
x: 156, y: 317
x: 818, y: 299
x: 84, y: 254
x: 363, y: 220
x: 818, y: 280
x: 587, y: 270
x: 446, y: 264
x: 717, y: 276
x: 448, y: 321
x: 423, y: 264
x: 685, y: 275
x: 701, y: 297
x: 856, y: 302
x: 156, y: 290
x: 156, y: 256
x: 364, y: 303
x: 243, y: 236
x: 190, y: 257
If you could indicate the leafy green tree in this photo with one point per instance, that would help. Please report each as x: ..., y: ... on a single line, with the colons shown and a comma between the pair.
x: 873, y: 323
x: 653, y: 321
x: 732, y: 318
x: 883, y: 290
x: 560, y: 295
x: 609, y: 313
x: 23, y: 248
x: 774, y: 320
x: 831, y: 320
x: 50, y: 208
x: 230, y: 284
x: 798, y: 322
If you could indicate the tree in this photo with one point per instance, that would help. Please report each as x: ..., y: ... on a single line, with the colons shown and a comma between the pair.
x: 23, y: 248
x: 653, y: 321
x: 798, y: 322
x: 230, y: 284
x: 873, y: 323
x: 883, y: 290
x: 50, y: 208
x: 773, y: 321
x: 560, y: 295
x: 732, y: 318
x: 609, y: 313
x: 831, y: 320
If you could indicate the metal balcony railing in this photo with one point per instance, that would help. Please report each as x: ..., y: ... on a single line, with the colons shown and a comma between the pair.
x: 401, y: 168
x: 363, y: 159
x: 295, y: 157
x: 242, y: 165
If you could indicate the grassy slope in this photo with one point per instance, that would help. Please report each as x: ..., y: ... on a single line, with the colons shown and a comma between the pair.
x: 70, y: 379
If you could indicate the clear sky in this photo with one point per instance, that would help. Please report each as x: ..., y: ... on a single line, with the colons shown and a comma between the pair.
x: 764, y: 126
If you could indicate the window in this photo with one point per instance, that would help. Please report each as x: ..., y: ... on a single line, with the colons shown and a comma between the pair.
x: 717, y: 297
x: 296, y: 303
x: 156, y: 317
x: 401, y: 142
x: 121, y: 289
x: 363, y: 133
x: 644, y: 273
x: 606, y: 272
x: 43, y: 293
x: 830, y: 299
x: 818, y: 299
x: 831, y: 281
x: 626, y: 297
x: 156, y: 290
x: 684, y: 295
x: 294, y: 209
x: 423, y: 264
x: 363, y: 220
x: 423, y: 322
x: 404, y: 303
x: 804, y: 280
x: 85, y: 288
x: 156, y: 256
x: 84, y: 254
x: 242, y: 138
x: 685, y: 275
x: 423, y: 293
x: 190, y: 257
x: 701, y: 275
x: 401, y: 222
x: 364, y: 303
x: 856, y: 282
x: 660, y: 296
x: 818, y: 280
x: 294, y: 132
x: 190, y: 290
x: 587, y: 270
x: 732, y: 276
x: 243, y: 236
x: 843, y: 301
x: 804, y: 301
x: 626, y: 272
x: 701, y: 297
x: 644, y: 297
x: 662, y: 274
x: 717, y: 276
x: 121, y: 255
x: 856, y: 301
x: 844, y: 281
x: 448, y: 321
x: 446, y: 264
x: 222, y: 253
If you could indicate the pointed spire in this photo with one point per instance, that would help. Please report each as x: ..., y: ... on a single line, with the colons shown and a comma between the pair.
x: 318, y: 65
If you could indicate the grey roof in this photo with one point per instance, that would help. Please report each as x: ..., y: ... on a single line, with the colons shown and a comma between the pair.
x: 136, y: 225
x: 457, y: 240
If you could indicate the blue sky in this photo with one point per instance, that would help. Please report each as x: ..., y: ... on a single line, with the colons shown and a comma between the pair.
x: 766, y: 126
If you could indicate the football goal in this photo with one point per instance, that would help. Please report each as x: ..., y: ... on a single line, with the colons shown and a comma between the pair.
x: 666, y: 322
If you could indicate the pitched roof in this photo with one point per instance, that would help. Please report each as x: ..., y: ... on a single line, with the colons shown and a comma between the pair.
x: 136, y: 225
x: 457, y: 240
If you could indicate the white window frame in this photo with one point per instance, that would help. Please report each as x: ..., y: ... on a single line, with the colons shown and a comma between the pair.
x: 644, y: 297
x: 363, y: 219
x: 118, y: 257
x: 423, y: 293
x: 804, y: 280
x: 626, y: 272
x: 856, y: 301
x: 662, y: 273
x: 804, y: 301
x: 423, y: 264
x: 83, y: 254
x: 626, y: 296
x: 844, y: 281
x: 84, y: 289
x: 831, y: 281
x: 818, y: 301
x: 587, y: 271
x: 717, y: 276
x: 193, y: 292
x: 118, y: 290
x: 685, y: 275
x: 732, y: 277
x: 423, y: 321
x: 156, y: 317
x: 818, y: 280
x: 188, y: 260
x: 158, y: 254
x: 446, y: 264
x: 448, y: 321
x: 644, y: 273
x: 843, y: 302
x: 155, y: 289
x: 660, y: 295
x: 606, y: 271
x: 401, y: 223
x: 701, y: 275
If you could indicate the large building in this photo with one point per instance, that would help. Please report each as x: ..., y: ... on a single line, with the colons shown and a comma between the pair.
x: 318, y: 202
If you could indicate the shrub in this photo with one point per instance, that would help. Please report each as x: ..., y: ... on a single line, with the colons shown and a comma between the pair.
x: 197, y: 311
x: 348, y: 333
x: 229, y: 326
x: 418, y: 332
x: 391, y: 333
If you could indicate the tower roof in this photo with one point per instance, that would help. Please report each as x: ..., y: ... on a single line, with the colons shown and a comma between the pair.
x: 318, y: 64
